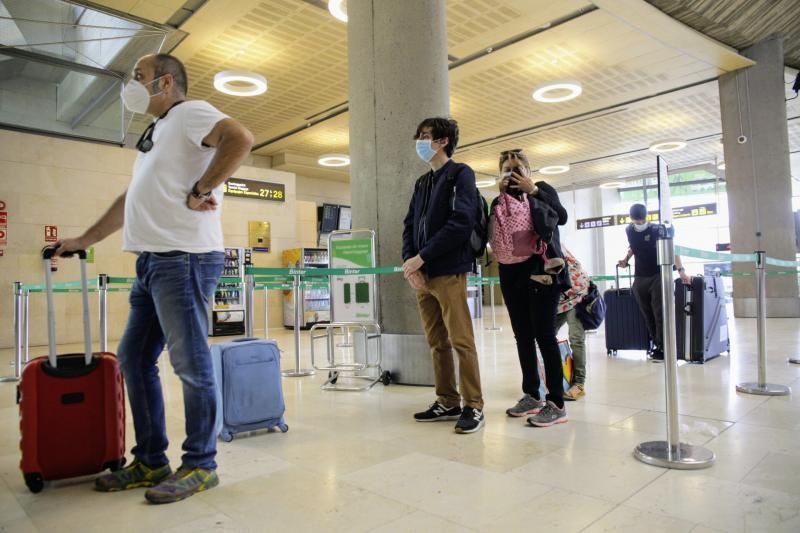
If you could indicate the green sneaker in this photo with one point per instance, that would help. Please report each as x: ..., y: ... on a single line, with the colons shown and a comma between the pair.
x: 182, y: 484
x: 132, y: 477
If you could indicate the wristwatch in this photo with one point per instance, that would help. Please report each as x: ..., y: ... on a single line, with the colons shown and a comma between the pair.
x: 199, y: 195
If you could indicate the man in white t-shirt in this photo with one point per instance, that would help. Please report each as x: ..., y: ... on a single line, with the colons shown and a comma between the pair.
x: 170, y: 216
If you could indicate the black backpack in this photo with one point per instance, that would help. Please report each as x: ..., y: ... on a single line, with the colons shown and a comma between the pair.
x: 480, y: 231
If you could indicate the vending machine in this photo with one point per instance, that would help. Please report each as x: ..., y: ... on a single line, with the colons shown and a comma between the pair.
x: 226, y: 316
x: 315, y: 302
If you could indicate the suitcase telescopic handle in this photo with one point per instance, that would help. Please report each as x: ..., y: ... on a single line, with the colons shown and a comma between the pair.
x: 48, y: 252
x: 630, y: 283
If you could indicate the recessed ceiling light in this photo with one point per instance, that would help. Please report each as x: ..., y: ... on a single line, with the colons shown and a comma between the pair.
x: 721, y: 166
x: 334, y: 160
x: 612, y: 185
x: 240, y: 83
x: 557, y: 91
x: 338, y: 9
x: 668, y: 145
x: 554, y: 169
x: 482, y: 184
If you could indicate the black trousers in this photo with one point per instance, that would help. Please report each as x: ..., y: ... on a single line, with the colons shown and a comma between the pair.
x: 647, y: 292
x: 532, y: 309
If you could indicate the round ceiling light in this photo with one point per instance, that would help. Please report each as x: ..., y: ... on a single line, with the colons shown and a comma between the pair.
x: 338, y: 9
x: 482, y: 184
x: 668, y: 145
x: 240, y: 83
x: 557, y: 91
x: 554, y: 169
x: 612, y: 185
x: 721, y: 166
x: 334, y: 160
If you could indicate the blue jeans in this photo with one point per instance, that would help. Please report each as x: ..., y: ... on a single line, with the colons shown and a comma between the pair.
x: 169, y: 303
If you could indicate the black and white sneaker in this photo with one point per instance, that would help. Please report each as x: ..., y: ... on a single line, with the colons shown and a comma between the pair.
x: 471, y: 420
x: 437, y: 412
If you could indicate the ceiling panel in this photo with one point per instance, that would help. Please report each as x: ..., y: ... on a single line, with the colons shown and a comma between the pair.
x: 624, y: 53
x: 741, y: 23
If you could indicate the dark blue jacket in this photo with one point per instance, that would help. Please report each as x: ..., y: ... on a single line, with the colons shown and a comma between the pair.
x: 440, y: 220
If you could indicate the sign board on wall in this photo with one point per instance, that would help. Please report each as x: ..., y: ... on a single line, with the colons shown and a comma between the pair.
x: 50, y: 233
x: 259, y: 235
x: 3, y: 224
x: 688, y: 211
x: 258, y: 190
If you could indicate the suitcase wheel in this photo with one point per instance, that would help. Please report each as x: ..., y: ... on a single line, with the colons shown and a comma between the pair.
x: 227, y: 437
x: 283, y: 427
x: 386, y: 377
x: 34, y: 482
x: 333, y: 377
x: 611, y: 353
x: 115, y: 465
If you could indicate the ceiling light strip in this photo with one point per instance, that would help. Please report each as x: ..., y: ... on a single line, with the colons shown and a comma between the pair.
x: 522, y: 36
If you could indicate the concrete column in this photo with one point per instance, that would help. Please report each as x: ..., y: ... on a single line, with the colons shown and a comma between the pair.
x: 397, y: 54
x: 758, y: 176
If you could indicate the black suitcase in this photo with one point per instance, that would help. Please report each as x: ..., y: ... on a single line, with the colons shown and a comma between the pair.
x: 625, y: 325
x: 706, y: 316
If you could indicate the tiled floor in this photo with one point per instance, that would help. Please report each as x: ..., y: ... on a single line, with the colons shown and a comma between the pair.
x: 358, y: 462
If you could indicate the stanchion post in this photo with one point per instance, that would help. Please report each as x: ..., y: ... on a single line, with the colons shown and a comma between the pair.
x: 297, y: 372
x: 761, y: 387
x: 102, y: 295
x: 17, y: 334
x: 26, y: 300
x: 491, y: 304
x: 249, y: 293
x: 266, y: 312
x: 671, y: 453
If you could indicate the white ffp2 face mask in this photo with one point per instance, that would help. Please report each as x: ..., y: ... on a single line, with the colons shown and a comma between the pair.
x: 641, y: 227
x: 136, y: 97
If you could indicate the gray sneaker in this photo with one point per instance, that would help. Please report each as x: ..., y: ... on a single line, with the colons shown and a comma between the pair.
x: 548, y: 416
x: 527, y: 405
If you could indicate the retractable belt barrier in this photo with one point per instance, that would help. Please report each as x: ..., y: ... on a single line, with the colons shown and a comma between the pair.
x: 287, y: 279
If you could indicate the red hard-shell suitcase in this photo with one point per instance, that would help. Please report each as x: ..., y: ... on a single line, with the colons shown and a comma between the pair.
x: 72, y: 406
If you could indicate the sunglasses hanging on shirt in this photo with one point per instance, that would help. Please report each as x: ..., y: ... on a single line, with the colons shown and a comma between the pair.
x: 145, y: 142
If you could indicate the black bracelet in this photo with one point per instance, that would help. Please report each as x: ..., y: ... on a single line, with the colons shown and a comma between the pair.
x: 199, y: 195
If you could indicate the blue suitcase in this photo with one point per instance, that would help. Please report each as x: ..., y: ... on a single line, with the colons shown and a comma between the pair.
x: 625, y: 325
x: 249, y: 389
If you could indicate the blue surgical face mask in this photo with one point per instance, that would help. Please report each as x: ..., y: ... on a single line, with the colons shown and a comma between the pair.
x: 424, y: 150
x: 641, y: 227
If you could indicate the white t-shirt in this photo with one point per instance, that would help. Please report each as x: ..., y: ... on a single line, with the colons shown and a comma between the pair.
x: 156, y: 216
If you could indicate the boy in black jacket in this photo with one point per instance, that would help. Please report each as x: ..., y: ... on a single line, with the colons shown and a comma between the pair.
x: 437, y: 258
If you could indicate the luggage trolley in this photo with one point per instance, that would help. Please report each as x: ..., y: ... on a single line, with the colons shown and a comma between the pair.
x: 353, y: 329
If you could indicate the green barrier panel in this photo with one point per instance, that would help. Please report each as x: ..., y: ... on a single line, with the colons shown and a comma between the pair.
x: 322, y: 271
x: 782, y: 262
x: 713, y: 256
x: 119, y: 289
x: 769, y: 273
x: 62, y: 285
x: 120, y: 280
x: 604, y: 277
x: 235, y: 280
x: 274, y: 286
x: 70, y: 290
x: 273, y: 279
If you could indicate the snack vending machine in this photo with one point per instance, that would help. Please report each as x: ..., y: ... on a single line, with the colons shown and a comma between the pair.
x: 315, y: 302
x: 226, y: 316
